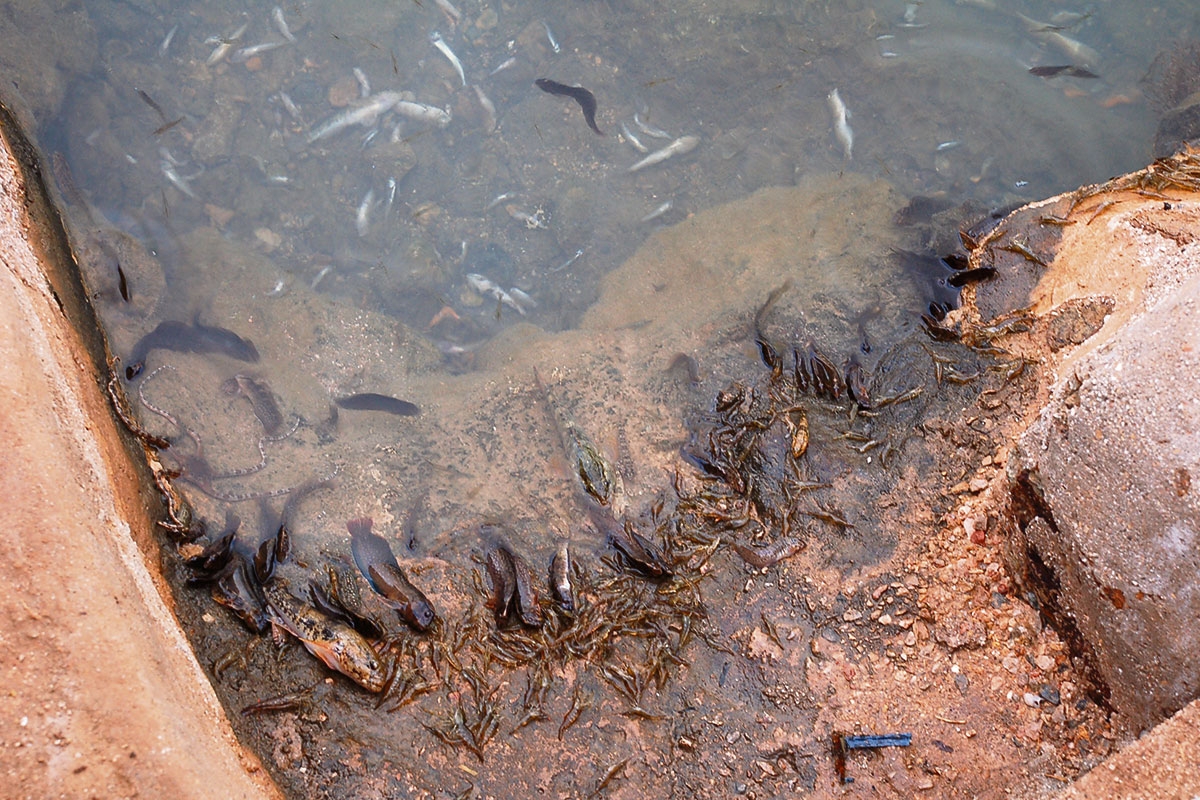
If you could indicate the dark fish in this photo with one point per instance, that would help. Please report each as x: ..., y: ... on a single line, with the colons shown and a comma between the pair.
x: 262, y: 400
x: 239, y: 591
x: 770, y: 554
x: 1067, y: 69
x: 370, y: 401
x: 586, y: 100
x: 375, y: 560
x: 181, y: 337
x: 148, y: 100
x: 394, y: 585
x: 504, y: 581
x: 527, y: 596
x: 641, y: 552
x: 856, y: 383
x: 560, y: 577
x: 166, y: 126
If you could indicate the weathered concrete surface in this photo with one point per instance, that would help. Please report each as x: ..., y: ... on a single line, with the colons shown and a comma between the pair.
x: 1112, y: 458
x: 103, y: 697
x: 1162, y: 764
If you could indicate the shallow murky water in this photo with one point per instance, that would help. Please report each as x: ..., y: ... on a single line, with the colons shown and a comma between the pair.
x: 287, y: 196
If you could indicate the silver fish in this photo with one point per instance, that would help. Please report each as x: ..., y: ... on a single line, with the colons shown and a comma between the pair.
x: 649, y: 129
x: 166, y: 43
x: 633, y: 140
x: 444, y: 49
x: 486, y: 286
x: 684, y: 144
x: 281, y: 24
x: 423, y: 113
x: 841, y: 129
x: 550, y: 36
x: 364, y: 113
x: 362, y: 218
x: 247, y: 53
x: 224, y: 45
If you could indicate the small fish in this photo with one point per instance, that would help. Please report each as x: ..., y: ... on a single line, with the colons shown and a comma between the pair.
x: 550, y: 37
x: 375, y: 561
x: 166, y: 42
x: 247, y: 53
x: 649, y: 129
x: 365, y: 112
x: 362, y: 217
x: 281, y: 24
x: 504, y: 581
x: 436, y: 39
x: 261, y: 398
x: 633, y: 140
x: 503, y: 65
x: 335, y: 643
x: 224, y: 45
x: 658, y: 212
x: 486, y: 286
x: 771, y: 554
x: 841, y: 129
x: 527, y: 597
x: 181, y: 337
x: 175, y: 179
x: 423, y: 113
x: 684, y: 144
x: 489, y: 109
x: 453, y: 15
x: 560, y: 577
x: 586, y: 100
x: 364, y: 86
x: 370, y: 401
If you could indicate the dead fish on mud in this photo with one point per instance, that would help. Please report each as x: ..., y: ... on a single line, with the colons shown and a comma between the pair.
x: 181, y: 337
x: 375, y: 560
x: 560, y: 577
x: 512, y: 579
x: 599, y: 479
x: 335, y: 643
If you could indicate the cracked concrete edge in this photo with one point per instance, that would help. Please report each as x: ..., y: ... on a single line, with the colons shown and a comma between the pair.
x: 64, y: 450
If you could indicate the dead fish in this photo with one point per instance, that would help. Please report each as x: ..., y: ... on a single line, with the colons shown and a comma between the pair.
x: 504, y: 581
x: 641, y: 552
x: 856, y: 383
x: 335, y: 643
x: 528, y: 603
x: 770, y: 554
x: 841, y: 128
x: 375, y: 561
x: 682, y: 145
x: 560, y: 577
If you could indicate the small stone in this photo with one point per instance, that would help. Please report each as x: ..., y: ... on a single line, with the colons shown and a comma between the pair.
x: 852, y: 615
x: 269, y: 238
x: 1045, y: 663
x: 978, y: 484
x: 969, y: 528
x: 962, y: 683
x: 1032, y: 700
x: 1050, y: 695
x: 885, y: 619
x: 343, y: 92
x: 978, y: 537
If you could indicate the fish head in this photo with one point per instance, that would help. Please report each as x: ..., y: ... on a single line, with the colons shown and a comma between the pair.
x: 352, y: 656
x: 420, y: 613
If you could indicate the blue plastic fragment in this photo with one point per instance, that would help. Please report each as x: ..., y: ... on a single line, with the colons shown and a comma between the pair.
x: 878, y: 740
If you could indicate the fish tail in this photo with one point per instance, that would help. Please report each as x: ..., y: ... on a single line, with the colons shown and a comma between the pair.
x: 360, y: 526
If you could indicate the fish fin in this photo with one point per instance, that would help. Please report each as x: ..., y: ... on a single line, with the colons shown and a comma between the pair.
x: 360, y: 526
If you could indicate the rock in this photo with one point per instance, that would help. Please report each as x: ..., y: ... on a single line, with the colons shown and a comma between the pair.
x: 1108, y: 524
